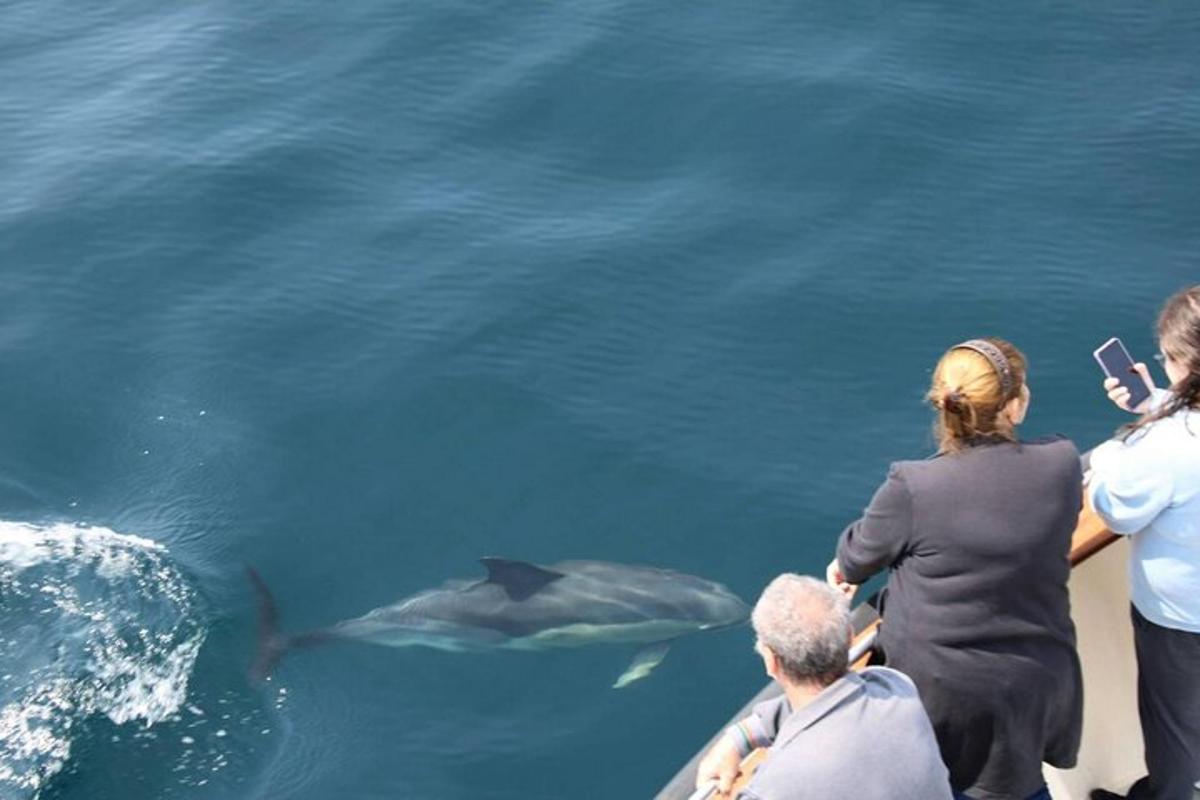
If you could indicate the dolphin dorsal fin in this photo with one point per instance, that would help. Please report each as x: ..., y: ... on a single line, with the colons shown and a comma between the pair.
x: 520, y: 579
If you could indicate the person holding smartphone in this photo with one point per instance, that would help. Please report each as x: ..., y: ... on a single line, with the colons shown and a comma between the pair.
x: 976, y: 541
x: 1146, y: 484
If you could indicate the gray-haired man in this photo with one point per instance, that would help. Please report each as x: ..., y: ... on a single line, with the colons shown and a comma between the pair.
x: 833, y: 733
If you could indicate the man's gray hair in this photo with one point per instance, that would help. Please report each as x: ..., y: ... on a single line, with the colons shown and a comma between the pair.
x: 806, y: 623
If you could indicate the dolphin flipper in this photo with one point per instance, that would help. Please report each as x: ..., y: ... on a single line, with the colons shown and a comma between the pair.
x: 643, y: 663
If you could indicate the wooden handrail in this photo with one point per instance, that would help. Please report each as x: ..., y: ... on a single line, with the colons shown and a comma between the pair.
x: 1091, y: 536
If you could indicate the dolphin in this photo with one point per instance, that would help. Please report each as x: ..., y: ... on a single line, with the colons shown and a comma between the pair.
x: 525, y: 606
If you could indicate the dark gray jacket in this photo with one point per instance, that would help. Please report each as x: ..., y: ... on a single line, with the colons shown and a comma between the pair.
x: 976, y: 610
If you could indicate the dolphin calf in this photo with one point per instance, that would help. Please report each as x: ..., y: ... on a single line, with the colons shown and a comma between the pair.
x: 524, y: 606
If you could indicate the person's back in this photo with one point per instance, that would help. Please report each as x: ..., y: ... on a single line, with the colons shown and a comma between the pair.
x: 976, y: 610
x: 987, y: 557
x: 1148, y: 487
x: 865, y: 737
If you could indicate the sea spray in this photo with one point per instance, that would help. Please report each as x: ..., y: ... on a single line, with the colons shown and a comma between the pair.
x: 91, y: 622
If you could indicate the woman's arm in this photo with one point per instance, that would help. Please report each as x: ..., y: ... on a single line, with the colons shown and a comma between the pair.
x: 1130, y: 483
x: 881, y: 536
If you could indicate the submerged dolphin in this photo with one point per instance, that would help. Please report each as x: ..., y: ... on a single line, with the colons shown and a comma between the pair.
x: 523, y: 606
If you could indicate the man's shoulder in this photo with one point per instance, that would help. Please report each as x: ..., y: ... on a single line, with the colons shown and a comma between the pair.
x: 886, y: 679
x: 891, y: 699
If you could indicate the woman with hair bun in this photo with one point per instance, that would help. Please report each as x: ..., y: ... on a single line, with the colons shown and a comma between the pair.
x: 976, y: 540
x: 1146, y: 484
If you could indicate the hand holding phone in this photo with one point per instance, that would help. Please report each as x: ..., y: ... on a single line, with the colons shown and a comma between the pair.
x: 1127, y: 385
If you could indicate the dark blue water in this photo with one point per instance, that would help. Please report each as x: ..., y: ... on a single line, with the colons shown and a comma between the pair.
x: 360, y: 294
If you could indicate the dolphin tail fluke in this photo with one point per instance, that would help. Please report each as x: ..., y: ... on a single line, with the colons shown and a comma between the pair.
x: 271, y: 643
x: 270, y: 652
x: 643, y: 664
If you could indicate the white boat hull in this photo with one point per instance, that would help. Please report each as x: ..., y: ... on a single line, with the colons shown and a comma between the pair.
x: 1110, y: 755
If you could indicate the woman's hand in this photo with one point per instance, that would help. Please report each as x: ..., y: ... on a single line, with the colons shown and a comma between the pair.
x: 720, y: 765
x: 835, y: 578
x: 1120, y: 395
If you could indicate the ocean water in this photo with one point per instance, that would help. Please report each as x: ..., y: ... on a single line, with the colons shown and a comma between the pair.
x: 359, y: 294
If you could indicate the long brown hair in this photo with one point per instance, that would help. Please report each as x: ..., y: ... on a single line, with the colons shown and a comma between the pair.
x: 968, y: 394
x: 1179, y: 336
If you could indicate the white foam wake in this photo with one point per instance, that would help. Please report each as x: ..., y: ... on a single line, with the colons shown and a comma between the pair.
x: 91, y: 622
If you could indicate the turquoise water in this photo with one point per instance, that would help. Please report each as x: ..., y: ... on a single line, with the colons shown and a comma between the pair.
x: 359, y: 295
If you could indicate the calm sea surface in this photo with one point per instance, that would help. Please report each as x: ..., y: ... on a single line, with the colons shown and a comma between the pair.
x: 358, y: 293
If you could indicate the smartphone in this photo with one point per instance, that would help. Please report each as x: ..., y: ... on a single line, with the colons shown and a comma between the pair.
x: 1115, y: 361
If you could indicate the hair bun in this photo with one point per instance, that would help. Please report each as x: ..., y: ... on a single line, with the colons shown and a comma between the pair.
x: 953, y: 400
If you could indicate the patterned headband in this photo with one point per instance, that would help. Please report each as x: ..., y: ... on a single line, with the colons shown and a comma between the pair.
x: 997, y: 359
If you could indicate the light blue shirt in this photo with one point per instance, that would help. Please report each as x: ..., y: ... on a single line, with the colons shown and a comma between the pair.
x: 1149, y: 488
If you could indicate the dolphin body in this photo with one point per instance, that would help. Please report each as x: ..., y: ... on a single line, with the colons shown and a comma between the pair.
x: 524, y: 606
